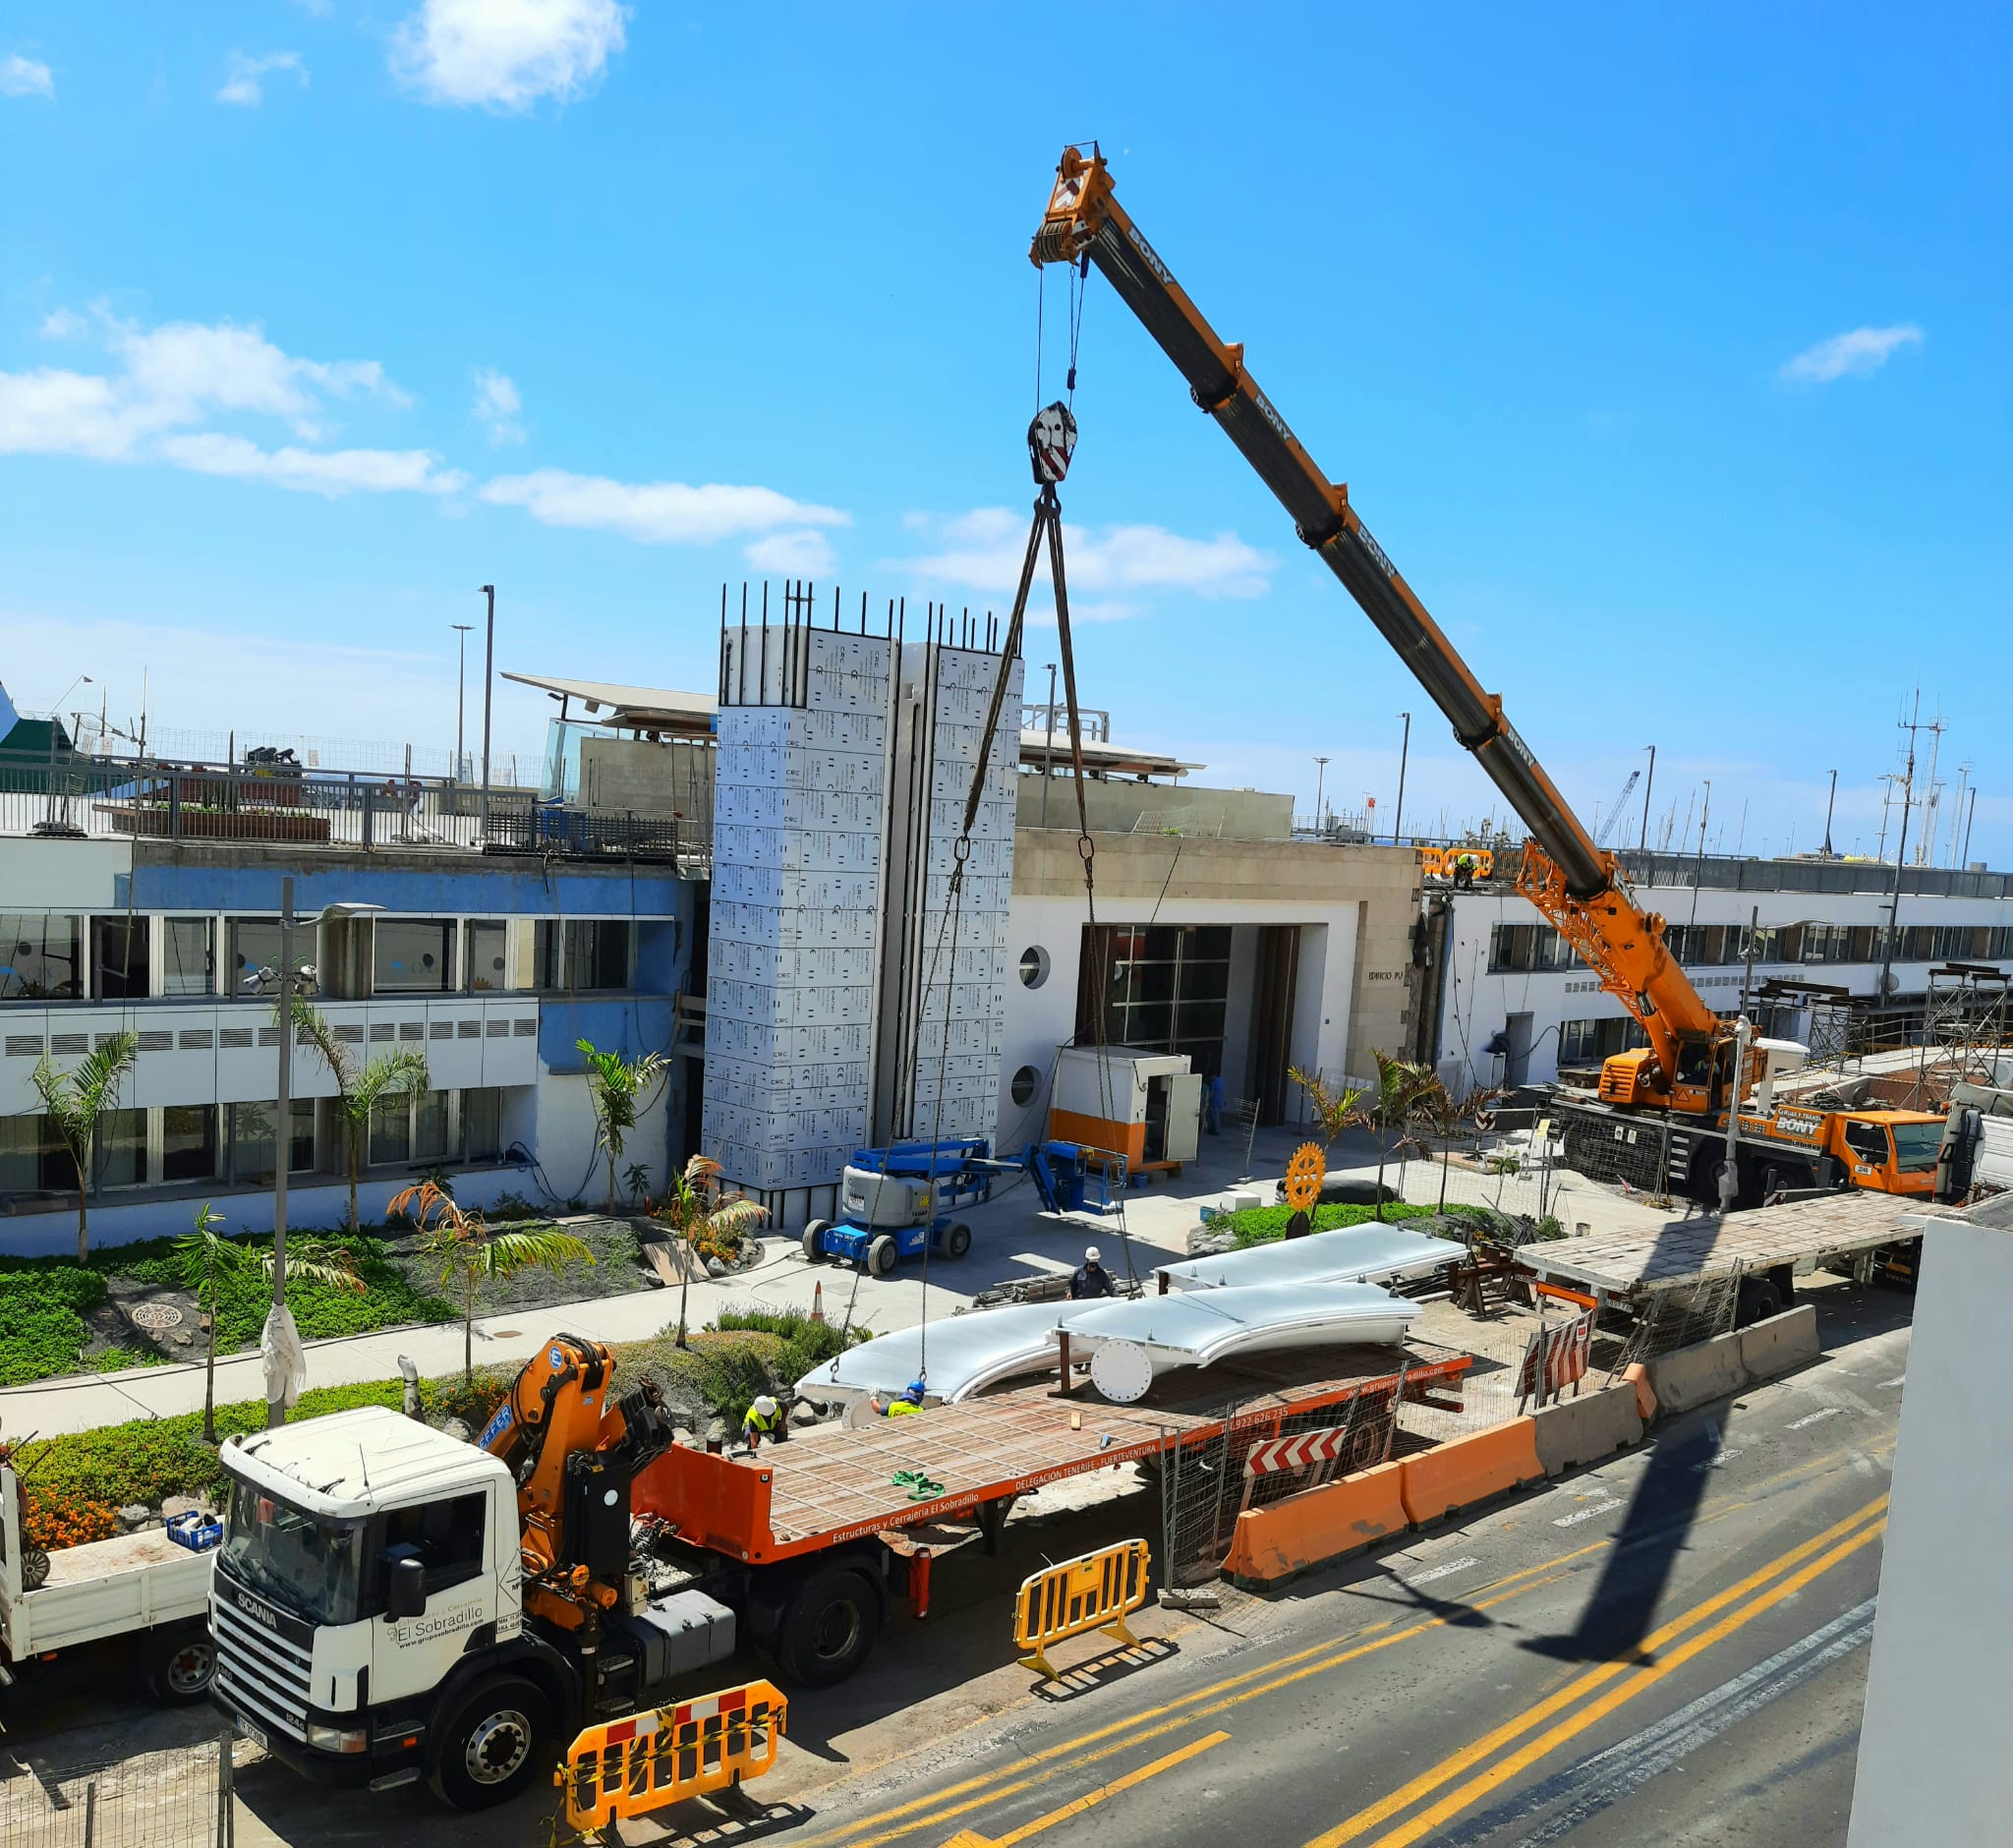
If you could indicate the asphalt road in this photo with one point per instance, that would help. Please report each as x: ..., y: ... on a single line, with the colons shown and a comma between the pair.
x: 1671, y: 1648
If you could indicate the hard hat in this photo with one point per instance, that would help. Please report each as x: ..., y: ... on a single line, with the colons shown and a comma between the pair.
x: 915, y: 1391
x: 1091, y: 1254
x: 765, y: 1405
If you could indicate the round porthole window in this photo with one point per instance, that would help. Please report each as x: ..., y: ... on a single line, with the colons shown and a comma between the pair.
x: 1025, y: 1083
x: 1034, y: 966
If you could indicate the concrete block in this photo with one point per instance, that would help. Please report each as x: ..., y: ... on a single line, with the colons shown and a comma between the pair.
x: 1780, y: 1345
x: 1271, y: 1545
x: 1698, y: 1374
x: 1469, y: 1469
x: 1582, y: 1430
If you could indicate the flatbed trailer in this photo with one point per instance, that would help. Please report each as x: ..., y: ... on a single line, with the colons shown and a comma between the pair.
x: 1766, y: 1248
x: 832, y: 1486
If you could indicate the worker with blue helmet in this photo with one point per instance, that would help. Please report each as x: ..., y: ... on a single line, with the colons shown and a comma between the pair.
x: 909, y: 1403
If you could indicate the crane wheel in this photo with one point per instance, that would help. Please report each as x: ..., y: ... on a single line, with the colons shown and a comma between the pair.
x: 813, y: 1232
x: 1304, y: 1175
x: 957, y: 1238
x: 881, y: 1256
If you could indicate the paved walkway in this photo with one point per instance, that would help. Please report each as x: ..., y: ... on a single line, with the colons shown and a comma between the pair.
x: 1011, y: 1238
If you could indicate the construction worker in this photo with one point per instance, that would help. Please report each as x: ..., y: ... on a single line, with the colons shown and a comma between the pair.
x: 908, y: 1402
x: 765, y: 1419
x: 1465, y: 864
x: 1091, y: 1279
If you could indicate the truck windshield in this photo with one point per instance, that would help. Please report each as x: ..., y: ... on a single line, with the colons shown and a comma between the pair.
x: 1915, y: 1146
x: 311, y: 1565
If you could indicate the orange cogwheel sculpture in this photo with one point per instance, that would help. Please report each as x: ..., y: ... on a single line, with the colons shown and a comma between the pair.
x: 1304, y: 1175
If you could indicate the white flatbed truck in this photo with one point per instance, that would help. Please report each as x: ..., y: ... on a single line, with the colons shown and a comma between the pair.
x: 143, y: 1590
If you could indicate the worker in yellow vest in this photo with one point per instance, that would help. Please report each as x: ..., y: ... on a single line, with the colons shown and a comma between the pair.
x: 765, y: 1419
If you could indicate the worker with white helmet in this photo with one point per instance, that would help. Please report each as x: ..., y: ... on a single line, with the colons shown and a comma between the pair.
x: 1091, y: 1279
x: 765, y: 1419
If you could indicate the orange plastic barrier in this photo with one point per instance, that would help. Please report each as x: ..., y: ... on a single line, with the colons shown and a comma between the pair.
x: 1095, y: 1592
x: 1272, y: 1543
x: 1637, y: 1375
x: 1438, y: 862
x: 631, y: 1766
x: 1470, y: 1470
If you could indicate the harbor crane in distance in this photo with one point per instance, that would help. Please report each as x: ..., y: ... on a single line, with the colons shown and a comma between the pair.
x: 1688, y: 1068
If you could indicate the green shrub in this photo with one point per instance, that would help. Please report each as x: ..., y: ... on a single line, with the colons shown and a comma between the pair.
x: 1262, y: 1225
x: 43, y: 1337
x: 79, y: 1289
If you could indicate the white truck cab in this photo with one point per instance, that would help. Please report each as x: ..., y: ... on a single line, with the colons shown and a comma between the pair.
x: 370, y: 1615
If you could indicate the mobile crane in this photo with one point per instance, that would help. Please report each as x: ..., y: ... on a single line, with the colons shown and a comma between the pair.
x: 1687, y: 1068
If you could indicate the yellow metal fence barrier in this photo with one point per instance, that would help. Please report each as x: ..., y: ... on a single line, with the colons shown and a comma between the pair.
x: 631, y: 1766
x: 1096, y: 1592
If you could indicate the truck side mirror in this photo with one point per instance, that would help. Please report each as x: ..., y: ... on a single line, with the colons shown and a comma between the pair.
x: 408, y: 1589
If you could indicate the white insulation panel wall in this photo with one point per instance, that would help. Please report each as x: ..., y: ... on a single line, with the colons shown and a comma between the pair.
x: 798, y: 823
x: 955, y: 1088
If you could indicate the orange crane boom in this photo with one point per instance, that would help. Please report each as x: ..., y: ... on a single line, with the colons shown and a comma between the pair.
x: 1563, y: 872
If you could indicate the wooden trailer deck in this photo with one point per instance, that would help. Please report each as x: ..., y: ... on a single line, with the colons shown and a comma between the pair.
x: 831, y: 1484
x: 1799, y: 1232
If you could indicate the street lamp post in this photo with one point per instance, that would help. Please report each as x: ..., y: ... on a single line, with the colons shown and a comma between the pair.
x: 460, y: 692
x: 1320, y: 788
x: 489, y: 671
x: 1830, y: 802
x: 1404, y: 751
x: 1650, y: 784
x: 283, y: 1129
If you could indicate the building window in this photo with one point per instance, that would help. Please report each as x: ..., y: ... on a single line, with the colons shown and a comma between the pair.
x: 254, y: 946
x: 584, y: 955
x: 1520, y: 948
x: 429, y: 1126
x: 41, y: 957
x: 118, y: 959
x: 32, y: 1158
x: 1034, y: 966
x: 411, y: 955
x: 251, y: 1132
x: 187, y: 955
x: 1589, y: 1042
x: 482, y: 1125
x: 485, y: 965
x: 391, y: 1129
x: 189, y: 1142
x: 121, y: 1160
x: 1166, y: 989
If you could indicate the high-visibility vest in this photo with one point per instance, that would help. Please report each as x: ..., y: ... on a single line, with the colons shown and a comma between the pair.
x: 766, y: 1424
x: 903, y: 1408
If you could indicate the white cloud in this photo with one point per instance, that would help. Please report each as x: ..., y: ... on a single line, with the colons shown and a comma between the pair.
x: 506, y: 54
x: 497, y: 404
x: 174, y: 378
x: 657, y: 513
x: 1856, y: 354
x: 802, y: 551
x: 330, y: 471
x: 24, y: 77
x: 984, y: 550
x: 243, y: 76
x: 64, y: 323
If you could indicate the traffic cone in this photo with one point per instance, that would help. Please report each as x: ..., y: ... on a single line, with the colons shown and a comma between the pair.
x: 817, y: 1302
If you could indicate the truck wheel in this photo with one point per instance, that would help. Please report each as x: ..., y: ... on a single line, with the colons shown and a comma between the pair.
x: 881, y: 1256
x: 1759, y: 1298
x: 828, y: 1627
x: 957, y: 1239
x: 179, y: 1664
x: 813, y: 1251
x: 499, y: 1743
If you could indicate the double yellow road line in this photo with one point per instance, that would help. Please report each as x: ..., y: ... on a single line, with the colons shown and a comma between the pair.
x: 1624, y: 1676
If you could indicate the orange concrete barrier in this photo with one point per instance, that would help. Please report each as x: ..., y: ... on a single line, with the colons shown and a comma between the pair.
x: 1469, y: 1469
x: 1637, y: 1375
x: 1274, y: 1543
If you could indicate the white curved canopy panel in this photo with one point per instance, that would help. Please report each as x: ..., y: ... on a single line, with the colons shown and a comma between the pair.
x: 966, y: 1355
x: 1198, y: 1327
x: 1352, y: 1254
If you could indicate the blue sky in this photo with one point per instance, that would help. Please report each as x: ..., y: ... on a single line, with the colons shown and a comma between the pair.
x: 1665, y: 352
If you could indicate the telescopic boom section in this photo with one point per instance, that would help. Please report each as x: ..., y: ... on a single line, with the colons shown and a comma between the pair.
x: 1585, y: 902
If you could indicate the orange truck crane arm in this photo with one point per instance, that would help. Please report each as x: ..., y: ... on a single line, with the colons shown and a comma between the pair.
x: 1569, y: 878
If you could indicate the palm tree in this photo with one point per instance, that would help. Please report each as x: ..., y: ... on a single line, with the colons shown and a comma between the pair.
x: 358, y: 1092
x: 1446, y: 1116
x: 1393, y: 1106
x: 617, y: 1086
x: 697, y: 1203
x: 204, y: 1258
x: 471, y: 1252
x: 74, y: 1102
x: 1334, y: 1111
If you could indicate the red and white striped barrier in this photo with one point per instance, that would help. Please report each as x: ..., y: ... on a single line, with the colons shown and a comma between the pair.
x: 1299, y: 1452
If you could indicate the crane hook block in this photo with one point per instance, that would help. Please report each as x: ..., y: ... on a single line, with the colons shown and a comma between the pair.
x: 1051, y: 443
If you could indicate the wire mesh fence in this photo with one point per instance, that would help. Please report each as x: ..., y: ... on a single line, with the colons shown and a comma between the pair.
x: 182, y: 1796
x: 1679, y: 1317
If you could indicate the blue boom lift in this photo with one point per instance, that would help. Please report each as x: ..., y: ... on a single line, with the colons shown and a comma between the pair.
x: 890, y: 1209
